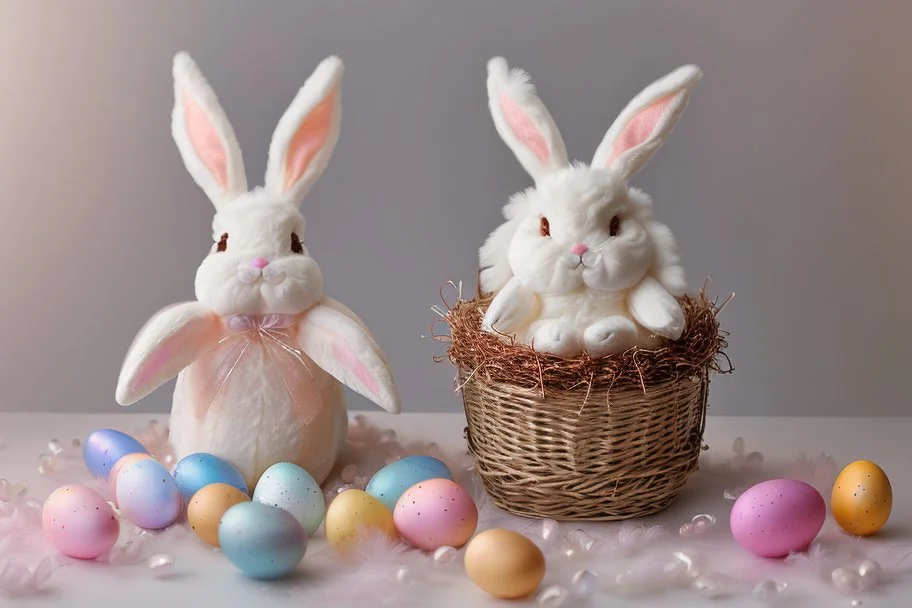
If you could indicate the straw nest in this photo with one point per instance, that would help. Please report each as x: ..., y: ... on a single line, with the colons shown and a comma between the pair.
x: 499, y: 359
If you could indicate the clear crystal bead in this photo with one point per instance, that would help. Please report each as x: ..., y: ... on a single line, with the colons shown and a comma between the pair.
x: 585, y: 584
x: 47, y: 463
x: 161, y: 565
x: 55, y: 446
x: 445, y: 555
x: 552, y: 597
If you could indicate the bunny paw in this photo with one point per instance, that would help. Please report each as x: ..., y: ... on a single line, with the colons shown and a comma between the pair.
x: 555, y: 337
x: 608, y: 336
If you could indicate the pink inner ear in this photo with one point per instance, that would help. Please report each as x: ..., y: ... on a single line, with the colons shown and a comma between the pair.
x: 640, y: 128
x: 206, y: 141
x: 309, y: 139
x: 153, y: 366
x: 348, y: 359
x: 524, y: 128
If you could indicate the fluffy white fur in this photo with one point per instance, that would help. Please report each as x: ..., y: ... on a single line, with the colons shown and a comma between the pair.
x: 255, y: 420
x: 581, y: 263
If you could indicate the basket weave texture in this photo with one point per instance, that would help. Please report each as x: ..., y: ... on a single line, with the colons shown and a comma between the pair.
x: 618, y: 443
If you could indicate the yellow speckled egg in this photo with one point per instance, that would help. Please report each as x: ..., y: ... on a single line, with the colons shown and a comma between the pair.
x: 862, y: 498
x: 504, y: 563
x: 352, y: 515
x: 208, y: 505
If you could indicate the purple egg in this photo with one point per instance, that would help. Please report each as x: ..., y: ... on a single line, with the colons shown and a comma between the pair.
x: 147, y: 495
x: 777, y: 517
x: 103, y: 448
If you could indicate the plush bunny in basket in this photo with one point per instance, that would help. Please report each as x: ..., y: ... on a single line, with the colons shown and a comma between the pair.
x: 260, y: 356
x: 581, y: 264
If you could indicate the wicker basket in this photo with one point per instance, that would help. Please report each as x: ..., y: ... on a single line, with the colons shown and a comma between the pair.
x: 598, y: 452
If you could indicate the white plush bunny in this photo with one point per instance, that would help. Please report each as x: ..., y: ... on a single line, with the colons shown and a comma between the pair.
x: 581, y: 264
x: 260, y: 357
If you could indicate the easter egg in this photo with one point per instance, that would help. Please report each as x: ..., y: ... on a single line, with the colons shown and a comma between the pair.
x: 777, y: 517
x: 504, y: 563
x: 105, y: 447
x: 263, y: 542
x: 435, y: 513
x: 147, y: 495
x: 115, y: 471
x: 289, y: 487
x: 79, y: 522
x: 354, y: 514
x: 862, y: 498
x: 388, y: 484
x: 199, y: 470
x: 206, y: 508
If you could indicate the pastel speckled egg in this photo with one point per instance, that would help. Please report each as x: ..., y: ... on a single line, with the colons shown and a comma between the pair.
x: 105, y: 447
x: 263, y: 542
x: 388, y: 484
x: 776, y: 517
x: 206, y: 508
x: 200, y: 470
x: 354, y: 514
x: 434, y: 513
x: 289, y: 487
x: 504, y: 563
x: 862, y: 498
x: 147, y: 495
x: 79, y: 522
x: 115, y: 471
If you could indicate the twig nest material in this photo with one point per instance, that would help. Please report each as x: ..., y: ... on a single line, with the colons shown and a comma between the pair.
x: 494, y: 359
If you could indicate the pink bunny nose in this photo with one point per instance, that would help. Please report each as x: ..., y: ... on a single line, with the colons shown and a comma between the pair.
x: 579, y: 249
x: 260, y: 263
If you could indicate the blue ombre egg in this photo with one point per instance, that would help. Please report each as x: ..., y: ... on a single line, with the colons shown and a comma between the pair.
x: 147, y: 495
x: 262, y: 541
x: 390, y: 482
x: 289, y: 487
x: 196, y: 471
x: 105, y: 447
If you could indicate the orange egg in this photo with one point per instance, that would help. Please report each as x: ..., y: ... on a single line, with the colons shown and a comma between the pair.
x: 207, y: 506
x: 504, y: 563
x: 862, y: 498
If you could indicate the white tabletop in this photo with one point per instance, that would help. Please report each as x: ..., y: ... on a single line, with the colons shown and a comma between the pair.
x: 202, y: 576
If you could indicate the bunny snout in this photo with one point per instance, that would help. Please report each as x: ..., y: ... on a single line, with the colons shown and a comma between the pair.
x: 259, y: 268
x: 579, y: 249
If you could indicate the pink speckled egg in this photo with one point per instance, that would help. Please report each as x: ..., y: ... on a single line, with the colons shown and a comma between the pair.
x: 79, y: 522
x: 776, y: 517
x: 435, y: 513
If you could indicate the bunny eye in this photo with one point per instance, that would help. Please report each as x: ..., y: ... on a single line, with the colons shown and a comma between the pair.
x: 545, y: 227
x: 614, y: 228
x: 296, y: 246
x: 222, y: 243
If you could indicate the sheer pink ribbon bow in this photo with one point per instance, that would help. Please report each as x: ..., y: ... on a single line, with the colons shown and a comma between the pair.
x: 274, y: 334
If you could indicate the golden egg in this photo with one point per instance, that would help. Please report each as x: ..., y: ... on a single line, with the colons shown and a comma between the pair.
x: 862, y: 498
x: 504, y: 563
x: 354, y: 514
x: 207, y: 507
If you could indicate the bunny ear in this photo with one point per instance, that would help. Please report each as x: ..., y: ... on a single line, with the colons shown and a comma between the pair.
x: 646, y: 122
x: 173, y: 339
x: 306, y: 135
x: 204, y: 136
x: 523, y: 121
x: 338, y: 342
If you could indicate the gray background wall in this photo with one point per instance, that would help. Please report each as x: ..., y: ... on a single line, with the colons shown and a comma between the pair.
x: 785, y: 181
